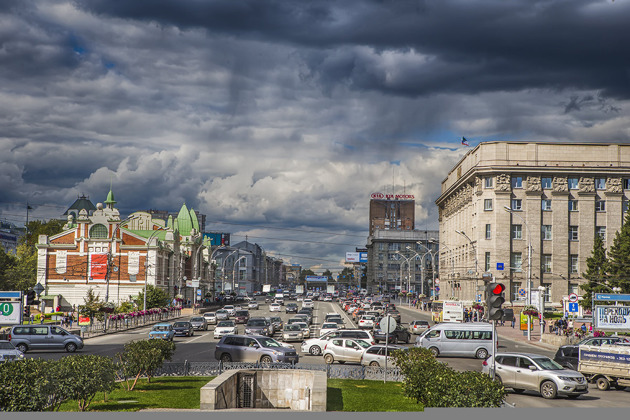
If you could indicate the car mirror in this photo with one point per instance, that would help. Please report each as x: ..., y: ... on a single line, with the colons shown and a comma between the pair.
x: 532, y: 367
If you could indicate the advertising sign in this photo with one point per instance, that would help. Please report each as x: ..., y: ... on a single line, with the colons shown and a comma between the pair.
x: 612, y: 317
x: 84, y: 320
x: 352, y: 257
x: 452, y: 311
x: 321, y: 279
x: 381, y: 196
x: 98, y: 266
x: 266, y: 288
x: 10, y: 313
x: 299, y: 289
x: 330, y: 288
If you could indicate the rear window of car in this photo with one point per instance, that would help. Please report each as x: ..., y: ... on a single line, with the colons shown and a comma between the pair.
x: 242, y: 313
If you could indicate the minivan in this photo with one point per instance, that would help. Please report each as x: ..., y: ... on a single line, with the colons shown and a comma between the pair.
x: 472, y: 339
x: 44, y: 337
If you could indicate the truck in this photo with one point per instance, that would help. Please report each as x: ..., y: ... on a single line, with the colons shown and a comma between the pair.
x: 605, y: 365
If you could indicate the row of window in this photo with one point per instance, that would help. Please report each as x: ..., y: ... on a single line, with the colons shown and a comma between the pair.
x: 517, y: 205
x: 516, y: 262
x: 517, y: 232
x: 547, y: 183
x: 398, y: 246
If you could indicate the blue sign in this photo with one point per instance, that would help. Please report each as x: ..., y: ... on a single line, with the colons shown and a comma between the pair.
x: 363, y: 258
x: 10, y: 295
x: 500, y: 266
x: 478, y: 298
x: 612, y: 297
x: 573, y: 307
x: 317, y: 278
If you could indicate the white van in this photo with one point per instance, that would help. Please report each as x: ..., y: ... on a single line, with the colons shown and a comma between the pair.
x: 472, y: 339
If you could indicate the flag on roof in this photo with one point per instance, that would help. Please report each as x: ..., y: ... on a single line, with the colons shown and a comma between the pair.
x: 464, y: 141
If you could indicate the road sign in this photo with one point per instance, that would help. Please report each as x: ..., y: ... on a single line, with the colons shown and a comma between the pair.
x: 437, y: 288
x: 522, y: 292
x: 500, y: 266
x: 38, y: 289
x: 573, y: 307
x: 388, y: 324
x: 10, y: 313
x: 573, y: 298
x: 437, y: 281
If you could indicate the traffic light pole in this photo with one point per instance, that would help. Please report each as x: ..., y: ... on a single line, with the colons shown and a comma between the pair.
x: 494, y: 347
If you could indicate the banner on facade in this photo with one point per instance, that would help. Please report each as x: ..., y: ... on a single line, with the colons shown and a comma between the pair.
x: 98, y: 266
x: 61, y: 261
x: 322, y: 279
x: 612, y: 317
x: 133, y: 262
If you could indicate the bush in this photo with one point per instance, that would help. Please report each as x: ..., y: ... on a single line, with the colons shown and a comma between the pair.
x: 26, y: 386
x: 144, y: 357
x: 82, y: 376
x: 434, y: 384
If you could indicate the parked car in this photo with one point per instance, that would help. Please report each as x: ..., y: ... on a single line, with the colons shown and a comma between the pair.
x: 44, y: 337
x: 222, y: 315
x: 375, y: 355
x: 258, y: 326
x: 163, y: 331
x: 292, y: 332
x: 535, y: 372
x: 252, y: 304
x: 419, y: 326
x: 210, y: 317
x: 291, y: 307
x: 274, y: 307
x: 224, y: 328
x: 231, y: 310
x: 327, y: 327
x: 244, y: 348
x: 241, y: 317
x: 344, y: 350
x: 399, y: 334
x: 8, y: 352
x: 199, y: 323
x: 568, y: 355
x: 183, y: 328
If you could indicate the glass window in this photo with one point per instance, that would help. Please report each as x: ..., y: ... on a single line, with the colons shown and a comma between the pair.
x: 517, y: 231
x: 488, y: 231
x: 488, y: 182
x: 573, y: 205
x: 517, y: 204
x: 547, y: 292
x: 573, y: 288
x: 487, y: 262
x: 546, y: 205
x: 600, y: 183
x: 573, y: 183
x: 573, y: 233
x: 546, y: 232
x: 517, y: 182
x: 573, y: 263
x: 546, y: 182
x: 516, y: 262
x: 516, y: 286
x: 98, y: 232
x: 600, y: 205
x: 626, y: 183
x: 546, y: 263
x: 601, y: 231
x: 487, y: 204
x: 394, y: 247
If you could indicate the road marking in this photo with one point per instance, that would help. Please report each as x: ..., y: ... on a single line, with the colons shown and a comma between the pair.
x: 197, y: 338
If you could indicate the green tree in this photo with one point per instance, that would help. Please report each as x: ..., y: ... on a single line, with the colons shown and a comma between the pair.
x: 618, y: 265
x: 81, y: 377
x: 7, y: 262
x: 38, y: 227
x: 92, y: 305
x: 20, y: 272
x: 304, y: 273
x: 156, y: 298
x: 596, y: 272
x: 143, y: 357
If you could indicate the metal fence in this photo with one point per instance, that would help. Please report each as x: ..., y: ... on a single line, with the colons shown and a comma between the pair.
x: 333, y: 371
x: 112, y: 326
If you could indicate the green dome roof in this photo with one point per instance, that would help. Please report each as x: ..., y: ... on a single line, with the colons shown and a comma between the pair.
x: 184, y: 222
x: 195, y: 220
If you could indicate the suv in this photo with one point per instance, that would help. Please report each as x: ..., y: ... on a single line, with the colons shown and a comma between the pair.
x: 399, y: 334
x: 242, y: 316
x: 315, y: 346
x: 344, y: 350
x: 44, y: 337
x: 258, y: 326
x: 247, y: 348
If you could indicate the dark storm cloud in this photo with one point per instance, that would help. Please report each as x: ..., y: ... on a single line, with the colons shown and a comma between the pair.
x: 467, y: 46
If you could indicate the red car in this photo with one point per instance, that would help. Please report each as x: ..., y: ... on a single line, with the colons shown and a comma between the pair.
x: 241, y: 317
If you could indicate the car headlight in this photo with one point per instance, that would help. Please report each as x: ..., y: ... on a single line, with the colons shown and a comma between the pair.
x: 567, y: 378
x: 247, y: 331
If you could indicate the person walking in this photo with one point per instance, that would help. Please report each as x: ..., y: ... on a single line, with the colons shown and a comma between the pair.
x: 513, y: 321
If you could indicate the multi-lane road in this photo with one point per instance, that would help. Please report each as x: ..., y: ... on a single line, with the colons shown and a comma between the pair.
x: 200, y: 347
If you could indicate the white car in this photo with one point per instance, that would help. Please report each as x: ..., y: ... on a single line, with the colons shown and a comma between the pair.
x: 344, y: 350
x: 275, y: 307
x: 211, y: 317
x: 231, y: 310
x: 307, y: 303
x: 375, y: 355
x: 224, y: 328
x: 327, y: 327
x: 252, y: 304
x: 328, y: 298
x: 366, y: 321
x: 306, y: 330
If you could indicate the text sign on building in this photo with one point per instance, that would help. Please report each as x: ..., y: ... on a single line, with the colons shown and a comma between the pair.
x: 381, y: 196
x: 612, y: 317
x: 500, y: 267
x: 317, y: 278
x: 612, y: 297
x: 356, y: 257
x: 10, y: 313
x: 98, y: 266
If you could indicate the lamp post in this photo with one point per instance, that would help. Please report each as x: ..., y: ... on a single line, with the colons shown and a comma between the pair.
x: 214, y: 274
x: 408, y: 274
x: 461, y: 232
x: 234, y: 269
x: 433, y: 255
x: 223, y: 266
x: 146, y: 271
x: 111, y: 255
x: 440, y: 244
x: 529, y: 266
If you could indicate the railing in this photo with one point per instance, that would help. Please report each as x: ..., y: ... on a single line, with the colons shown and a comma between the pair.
x: 112, y: 326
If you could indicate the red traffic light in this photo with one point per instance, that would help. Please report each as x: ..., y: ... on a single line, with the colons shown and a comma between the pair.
x: 498, y: 288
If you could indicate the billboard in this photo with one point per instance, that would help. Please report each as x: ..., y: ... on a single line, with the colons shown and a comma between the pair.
x: 356, y: 257
x: 217, y: 239
x: 321, y: 279
x: 612, y: 317
x: 10, y: 313
x: 98, y: 266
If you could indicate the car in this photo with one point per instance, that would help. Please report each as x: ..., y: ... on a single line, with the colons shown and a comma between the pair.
x: 308, y: 303
x: 199, y: 323
x: 224, y: 328
x: 242, y: 316
x: 357, y: 314
x: 291, y: 307
x: 222, y: 315
x: 315, y: 346
x: 253, y: 348
x: 375, y: 355
x: 274, y: 307
x: 344, y: 350
x: 183, y: 328
x: 276, y: 323
x: 306, y: 330
x: 399, y: 334
x: 299, y: 298
x: 163, y: 331
x: 231, y: 310
x: 535, y: 372
x: 328, y: 298
x: 366, y: 321
x: 252, y: 305
x: 305, y: 313
x: 259, y: 326
x: 8, y: 352
x: 394, y: 314
x: 419, y: 326
x: 210, y: 317
x: 568, y: 355
x: 279, y: 301
x: 44, y: 337
x: 293, y: 320
x: 304, y: 317
x: 292, y: 332
x: 328, y: 326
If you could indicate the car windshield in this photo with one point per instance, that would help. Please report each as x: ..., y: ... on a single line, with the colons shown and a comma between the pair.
x: 292, y: 327
x: 546, y: 363
x: 196, y: 320
x: 228, y: 307
x: 160, y: 328
x: 226, y: 324
x: 221, y: 311
x: 269, y: 342
x: 180, y: 324
x: 242, y: 313
x: 256, y: 323
x: 5, y: 345
x: 209, y: 314
x: 329, y: 325
x: 301, y: 324
x: 276, y: 319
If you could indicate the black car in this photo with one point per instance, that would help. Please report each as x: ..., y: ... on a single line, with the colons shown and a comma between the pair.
x: 259, y: 326
x: 183, y: 328
x: 568, y: 356
x: 398, y: 335
x: 394, y: 314
x: 291, y: 307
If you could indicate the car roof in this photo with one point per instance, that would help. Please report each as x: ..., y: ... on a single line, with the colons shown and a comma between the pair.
x: 514, y: 353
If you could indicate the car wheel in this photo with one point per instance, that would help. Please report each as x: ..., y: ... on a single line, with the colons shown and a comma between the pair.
x: 315, y: 350
x: 602, y: 384
x: 71, y: 347
x: 266, y: 360
x: 329, y: 359
x: 374, y: 363
x: 22, y: 347
x: 408, y: 339
x: 434, y: 351
x: 225, y: 357
x: 481, y: 354
x: 498, y: 379
x: 395, y: 340
x: 549, y: 390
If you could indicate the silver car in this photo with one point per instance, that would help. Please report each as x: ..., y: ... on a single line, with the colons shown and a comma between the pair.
x: 419, y: 326
x: 222, y: 315
x: 199, y: 323
x: 344, y: 350
x: 8, y: 352
x: 44, y: 337
x: 535, y: 372
x: 375, y: 355
x: 292, y: 332
x: 210, y: 317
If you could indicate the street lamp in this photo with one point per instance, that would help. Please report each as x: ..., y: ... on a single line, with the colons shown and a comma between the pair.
x: 408, y: 274
x: 146, y: 271
x: 440, y: 244
x: 234, y: 269
x: 433, y: 255
x: 529, y: 265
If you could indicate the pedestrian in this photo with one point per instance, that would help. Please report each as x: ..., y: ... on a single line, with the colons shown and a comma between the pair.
x: 513, y: 321
x: 32, y: 318
x: 544, y: 324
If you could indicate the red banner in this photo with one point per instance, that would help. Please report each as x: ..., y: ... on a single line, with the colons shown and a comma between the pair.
x: 98, y: 266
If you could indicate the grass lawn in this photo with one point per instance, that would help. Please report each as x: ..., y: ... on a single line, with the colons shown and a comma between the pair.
x: 183, y: 393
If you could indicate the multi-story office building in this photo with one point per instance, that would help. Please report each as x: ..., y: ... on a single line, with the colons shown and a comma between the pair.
x: 517, y: 210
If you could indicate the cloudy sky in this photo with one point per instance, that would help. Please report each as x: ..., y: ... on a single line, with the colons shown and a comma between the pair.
x: 278, y: 119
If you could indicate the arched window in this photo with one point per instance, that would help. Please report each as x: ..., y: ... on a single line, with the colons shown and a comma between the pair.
x: 98, y: 232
